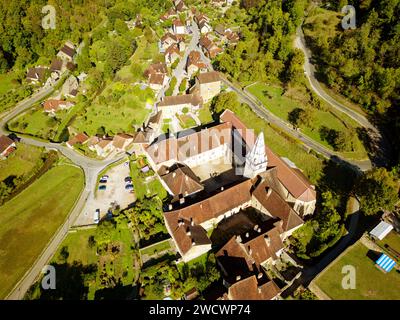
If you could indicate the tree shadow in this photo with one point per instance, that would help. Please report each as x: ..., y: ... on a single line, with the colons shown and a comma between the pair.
x: 71, y: 283
x: 373, y: 255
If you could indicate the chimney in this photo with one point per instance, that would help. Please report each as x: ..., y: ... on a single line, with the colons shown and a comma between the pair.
x: 182, y: 200
x: 247, y: 235
x: 188, y: 231
x: 222, y: 188
x: 269, y: 192
x: 170, y: 207
x: 259, y: 230
x: 239, y: 239
x: 180, y: 223
x: 250, y: 250
x: 267, y: 240
x: 255, y: 227
x: 173, y: 174
x: 193, y: 242
x: 259, y: 289
x: 191, y: 222
x: 238, y: 278
x: 260, y: 275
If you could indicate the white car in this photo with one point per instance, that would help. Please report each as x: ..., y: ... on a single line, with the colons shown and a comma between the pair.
x: 96, y: 216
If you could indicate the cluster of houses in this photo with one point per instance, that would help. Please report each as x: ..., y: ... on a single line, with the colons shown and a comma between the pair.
x: 63, y: 61
x: 104, y: 146
x: 262, y: 181
x: 68, y: 90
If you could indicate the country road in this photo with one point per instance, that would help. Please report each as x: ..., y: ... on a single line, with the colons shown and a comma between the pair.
x: 381, y: 146
x: 92, y: 167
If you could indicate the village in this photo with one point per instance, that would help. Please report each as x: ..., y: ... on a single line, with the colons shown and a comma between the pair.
x: 223, y: 197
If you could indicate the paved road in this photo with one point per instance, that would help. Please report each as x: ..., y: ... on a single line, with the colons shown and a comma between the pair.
x: 179, y: 72
x: 268, y: 116
x: 381, y: 146
x: 91, y: 169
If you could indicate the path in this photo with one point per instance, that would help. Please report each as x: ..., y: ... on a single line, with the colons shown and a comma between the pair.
x: 179, y: 72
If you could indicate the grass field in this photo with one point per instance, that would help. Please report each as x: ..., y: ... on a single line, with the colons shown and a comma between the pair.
x: 78, y: 248
x: 371, y: 283
x: 273, y: 99
x: 186, y: 121
x: 392, y: 240
x: 205, y: 115
x: 142, y: 58
x: 143, y: 188
x: 28, y: 221
x: 156, y: 248
x: 21, y: 162
x: 119, y: 108
x: 6, y: 82
x: 37, y: 123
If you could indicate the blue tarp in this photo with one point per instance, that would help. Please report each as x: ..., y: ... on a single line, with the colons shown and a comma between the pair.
x: 385, y: 262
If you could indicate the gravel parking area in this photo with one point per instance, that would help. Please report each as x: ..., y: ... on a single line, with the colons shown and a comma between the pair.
x: 103, y: 199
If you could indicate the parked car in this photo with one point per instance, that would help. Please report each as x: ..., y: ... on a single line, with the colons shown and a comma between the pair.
x: 129, y: 187
x: 103, y: 181
x: 102, y: 187
x: 105, y: 176
x: 96, y: 216
x: 128, y: 179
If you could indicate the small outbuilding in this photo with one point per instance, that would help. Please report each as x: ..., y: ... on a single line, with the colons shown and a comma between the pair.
x: 381, y: 230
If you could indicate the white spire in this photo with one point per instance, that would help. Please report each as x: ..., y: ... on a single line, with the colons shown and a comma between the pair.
x: 256, y: 159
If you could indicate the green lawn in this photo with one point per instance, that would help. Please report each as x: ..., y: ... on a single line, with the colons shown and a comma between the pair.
x: 78, y: 248
x: 144, y: 53
x: 6, y: 82
x: 393, y: 240
x: 273, y: 99
x: 28, y: 221
x: 371, y: 283
x: 205, y: 115
x: 186, y: 121
x: 38, y: 123
x: 159, y: 247
x: 120, y: 108
x: 21, y: 162
x: 143, y: 188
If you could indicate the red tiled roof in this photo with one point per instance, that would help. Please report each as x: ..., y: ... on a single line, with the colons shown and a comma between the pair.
x: 182, y: 181
x: 215, y: 205
x: 291, y: 179
x: 248, y: 289
x: 5, y: 143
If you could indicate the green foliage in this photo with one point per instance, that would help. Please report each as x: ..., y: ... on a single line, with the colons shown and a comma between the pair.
x: 182, y: 86
x: 361, y: 64
x: 171, y: 87
x: 320, y: 233
x: 265, y: 51
x: 117, y: 54
x: 301, y: 117
x: 225, y: 100
x: 378, y: 190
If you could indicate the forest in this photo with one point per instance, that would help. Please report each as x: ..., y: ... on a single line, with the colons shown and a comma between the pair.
x: 362, y: 63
